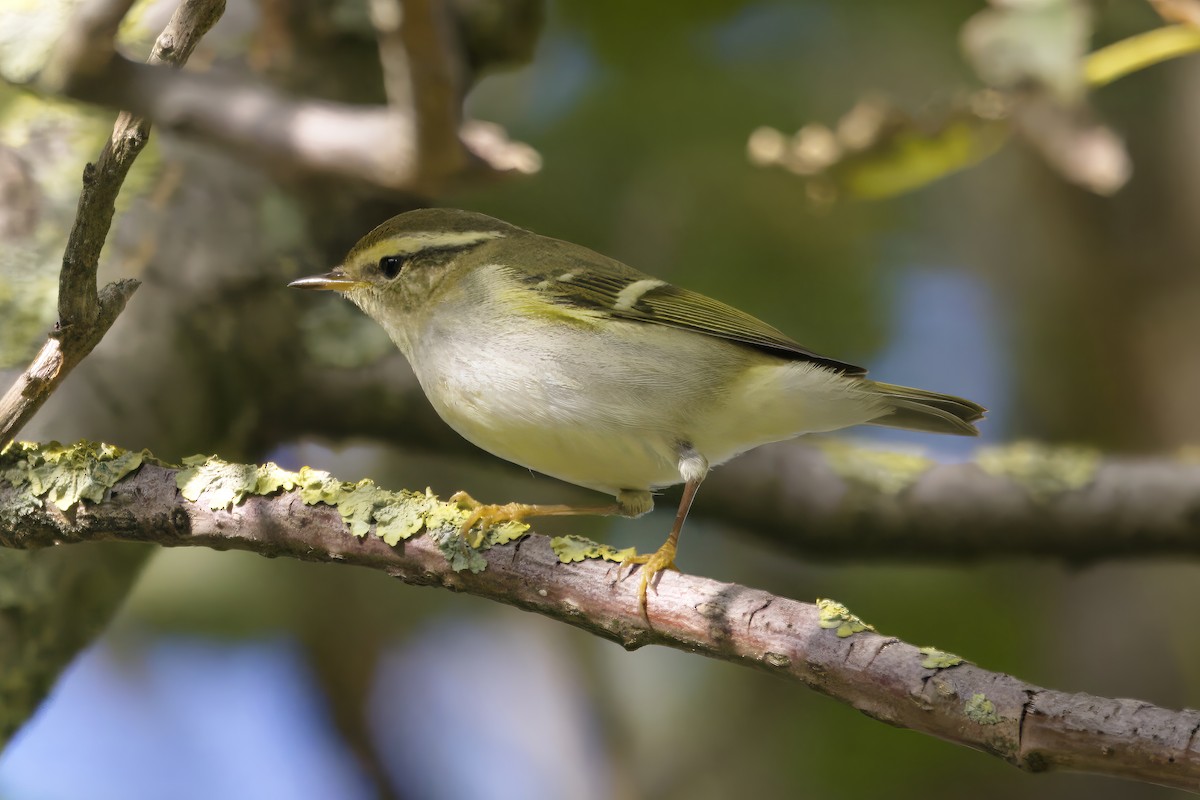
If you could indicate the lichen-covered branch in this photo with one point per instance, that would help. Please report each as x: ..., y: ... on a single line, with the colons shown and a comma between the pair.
x: 416, y: 148
x: 823, y: 646
x: 84, y: 313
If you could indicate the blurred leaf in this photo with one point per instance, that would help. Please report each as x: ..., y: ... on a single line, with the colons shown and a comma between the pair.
x: 1035, y: 50
x: 1083, y: 151
x: 1031, y: 43
x: 911, y: 157
x: 880, y: 151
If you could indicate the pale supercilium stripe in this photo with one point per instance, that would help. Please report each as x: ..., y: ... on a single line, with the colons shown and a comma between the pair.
x: 412, y: 243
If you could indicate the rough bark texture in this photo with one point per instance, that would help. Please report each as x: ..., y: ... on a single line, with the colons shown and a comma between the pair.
x: 1028, y: 726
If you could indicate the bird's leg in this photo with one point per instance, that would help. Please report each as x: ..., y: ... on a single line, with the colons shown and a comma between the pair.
x: 693, y: 467
x: 491, y: 515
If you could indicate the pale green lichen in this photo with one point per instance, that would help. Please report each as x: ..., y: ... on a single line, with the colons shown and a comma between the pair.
x: 833, y: 614
x: 981, y: 710
x: 457, y: 551
x: 394, y: 516
x: 222, y: 484
x: 359, y: 504
x: 938, y: 659
x: 317, y: 486
x: 576, y: 548
x: 66, y: 474
x: 887, y: 472
x: 1043, y: 471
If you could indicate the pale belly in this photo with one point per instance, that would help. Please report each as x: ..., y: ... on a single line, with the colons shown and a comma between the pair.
x: 608, y: 417
x: 615, y: 410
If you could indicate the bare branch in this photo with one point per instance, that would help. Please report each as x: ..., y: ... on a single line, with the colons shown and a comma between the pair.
x: 837, y: 500
x: 85, y: 314
x: 414, y: 147
x: 58, y: 356
x: 419, y: 54
x: 1030, y: 727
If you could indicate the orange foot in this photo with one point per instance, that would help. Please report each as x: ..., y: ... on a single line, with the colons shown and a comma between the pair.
x: 488, y: 516
x: 653, y: 566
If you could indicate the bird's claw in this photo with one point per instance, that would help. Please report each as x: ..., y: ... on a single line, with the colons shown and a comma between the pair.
x: 486, y: 515
x: 653, y: 566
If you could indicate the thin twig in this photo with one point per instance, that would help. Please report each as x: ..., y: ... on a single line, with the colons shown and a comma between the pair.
x: 1030, y: 727
x: 85, y: 314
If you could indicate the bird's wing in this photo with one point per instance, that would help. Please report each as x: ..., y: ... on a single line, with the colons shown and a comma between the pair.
x: 580, y: 277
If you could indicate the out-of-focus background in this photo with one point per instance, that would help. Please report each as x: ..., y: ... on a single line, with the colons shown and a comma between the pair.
x: 1074, y: 317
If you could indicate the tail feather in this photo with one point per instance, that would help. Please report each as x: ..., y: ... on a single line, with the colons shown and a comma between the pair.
x: 920, y: 410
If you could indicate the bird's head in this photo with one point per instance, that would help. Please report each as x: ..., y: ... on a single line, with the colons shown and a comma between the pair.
x: 402, y: 265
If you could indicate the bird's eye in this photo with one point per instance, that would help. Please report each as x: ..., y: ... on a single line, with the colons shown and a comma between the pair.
x: 390, y: 266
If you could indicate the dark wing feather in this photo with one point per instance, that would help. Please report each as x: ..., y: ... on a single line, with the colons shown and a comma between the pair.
x: 597, y: 282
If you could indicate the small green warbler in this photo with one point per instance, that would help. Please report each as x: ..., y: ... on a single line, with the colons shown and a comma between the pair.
x: 572, y: 364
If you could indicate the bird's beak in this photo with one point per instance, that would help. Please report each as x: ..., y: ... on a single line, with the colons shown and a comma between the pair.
x: 333, y: 281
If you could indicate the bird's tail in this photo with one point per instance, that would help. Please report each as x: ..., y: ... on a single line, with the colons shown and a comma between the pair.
x: 919, y: 410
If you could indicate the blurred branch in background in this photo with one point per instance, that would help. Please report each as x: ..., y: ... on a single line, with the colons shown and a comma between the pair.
x: 418, y: 143
x: 822, y: 646
x: 1032, y: 56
